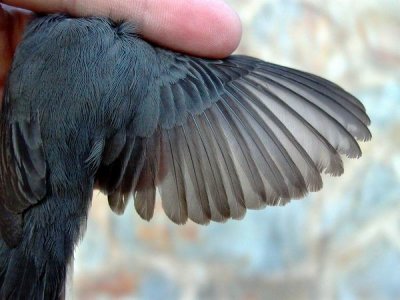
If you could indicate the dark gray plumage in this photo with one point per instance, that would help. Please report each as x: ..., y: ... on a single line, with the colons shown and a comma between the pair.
x: 88, y: 103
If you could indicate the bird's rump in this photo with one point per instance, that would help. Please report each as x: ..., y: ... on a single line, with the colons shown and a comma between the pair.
x: 229, y: 135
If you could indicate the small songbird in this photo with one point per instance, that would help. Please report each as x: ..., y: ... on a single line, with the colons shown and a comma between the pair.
x: 89, y: 104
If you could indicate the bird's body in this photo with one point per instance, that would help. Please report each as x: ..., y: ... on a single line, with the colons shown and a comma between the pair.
x: 88, y: 103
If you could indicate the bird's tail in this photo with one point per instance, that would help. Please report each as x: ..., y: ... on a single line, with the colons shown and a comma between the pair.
x: 27, y: 276
x: 36, y: 269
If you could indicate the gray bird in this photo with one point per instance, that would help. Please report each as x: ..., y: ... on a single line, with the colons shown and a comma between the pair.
x: 89, y: 104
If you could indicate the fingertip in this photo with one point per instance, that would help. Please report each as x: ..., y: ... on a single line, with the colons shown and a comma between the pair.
x: 207, y: 28
x: 227, y: 35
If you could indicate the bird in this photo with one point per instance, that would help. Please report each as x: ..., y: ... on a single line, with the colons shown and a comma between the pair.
x: 88, y: 104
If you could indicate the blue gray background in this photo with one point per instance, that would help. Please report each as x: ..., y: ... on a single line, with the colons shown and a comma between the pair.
x: 341, y: 243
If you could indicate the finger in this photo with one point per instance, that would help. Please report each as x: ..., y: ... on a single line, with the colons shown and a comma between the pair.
x: 199, y: 27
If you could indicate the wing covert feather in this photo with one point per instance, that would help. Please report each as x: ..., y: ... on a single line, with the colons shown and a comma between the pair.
x: 23, y: 170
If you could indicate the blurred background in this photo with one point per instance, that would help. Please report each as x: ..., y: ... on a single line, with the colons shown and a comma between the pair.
x: 340, y: 243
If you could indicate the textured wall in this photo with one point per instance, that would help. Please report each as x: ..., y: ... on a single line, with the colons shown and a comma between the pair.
x: 341, y: 243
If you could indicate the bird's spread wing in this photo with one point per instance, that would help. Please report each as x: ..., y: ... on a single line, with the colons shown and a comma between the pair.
x: 229, y: 135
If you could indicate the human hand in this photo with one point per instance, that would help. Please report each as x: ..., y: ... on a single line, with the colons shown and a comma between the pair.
x: 207, y: 28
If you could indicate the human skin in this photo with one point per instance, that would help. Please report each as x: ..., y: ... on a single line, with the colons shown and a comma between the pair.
x: 208, y: 28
